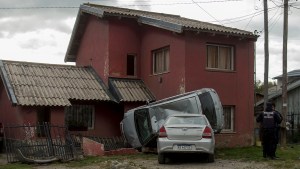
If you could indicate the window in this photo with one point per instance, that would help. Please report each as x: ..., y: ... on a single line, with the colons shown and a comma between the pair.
x: 220, y: 57
x: 160, y: 60
x: 131, y: 65
x: 228, y: 118
x: 80, y: 117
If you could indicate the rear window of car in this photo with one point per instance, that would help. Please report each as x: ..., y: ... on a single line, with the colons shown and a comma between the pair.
x: 187, y: 120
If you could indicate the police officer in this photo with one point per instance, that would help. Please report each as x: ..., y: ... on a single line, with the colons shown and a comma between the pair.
x: 268, y: 120
x: 277, y: 129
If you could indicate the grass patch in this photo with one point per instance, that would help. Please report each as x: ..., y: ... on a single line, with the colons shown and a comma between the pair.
x: 16, y: 166
x: 244, y: 153
x: 288, y: 156
x: 106, y: 160
x: 290, y: 152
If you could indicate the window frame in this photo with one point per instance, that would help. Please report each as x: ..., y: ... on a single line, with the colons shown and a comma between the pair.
x: 78, y: 106
x: 232, y: 57
x: 166, y: 58
x: 232, y: 119
x: 134, y: 64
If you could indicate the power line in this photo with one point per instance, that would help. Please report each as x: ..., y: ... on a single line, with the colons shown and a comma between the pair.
x: 245, y: 17
x: 209, y: 1
x: 148, y: 4
x: 207, y: 12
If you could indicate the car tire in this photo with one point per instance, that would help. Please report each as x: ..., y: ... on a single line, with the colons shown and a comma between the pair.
x: 210, y: 158
x: 161, y: 158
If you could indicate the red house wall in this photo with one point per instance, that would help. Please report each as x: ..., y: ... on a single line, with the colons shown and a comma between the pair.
x: 188, y: 72
x: 57, y: 115
x: 107, y: 120
x: 234, y: 88
x: 170, y: 83
x: 105, y: 45
x: 93, y: 49
x: 24, y: 114
x: 8, y: 113
x: 124, y: 38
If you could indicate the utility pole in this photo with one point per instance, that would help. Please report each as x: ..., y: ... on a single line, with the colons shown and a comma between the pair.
x: 266, y: 75
x: 284, y: 70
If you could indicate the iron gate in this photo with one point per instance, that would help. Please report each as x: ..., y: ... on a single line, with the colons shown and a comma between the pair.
x: 293, y: 134
x: 38, y: 143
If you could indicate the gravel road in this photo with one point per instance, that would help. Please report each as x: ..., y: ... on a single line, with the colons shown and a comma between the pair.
x: 173, y: 163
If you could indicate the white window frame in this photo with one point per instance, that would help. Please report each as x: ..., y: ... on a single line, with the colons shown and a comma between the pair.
x: 218, y: 67
x: 77, y: 107
x: 165, y: 54
x: 232, y: 113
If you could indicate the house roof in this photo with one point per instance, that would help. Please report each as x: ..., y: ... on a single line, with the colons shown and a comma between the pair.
x: 174, y: 23
x: 293, y: 73
x: 278, y: 93
x: 130, y: 90
x: 36, y: 84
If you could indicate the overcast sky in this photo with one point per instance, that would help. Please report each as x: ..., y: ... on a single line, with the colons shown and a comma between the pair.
x: 40, y: 30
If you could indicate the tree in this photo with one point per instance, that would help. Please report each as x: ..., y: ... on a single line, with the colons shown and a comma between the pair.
x: 259, y: 86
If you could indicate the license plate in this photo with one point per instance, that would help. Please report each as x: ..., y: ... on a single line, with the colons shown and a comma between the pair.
x: 184, y: 147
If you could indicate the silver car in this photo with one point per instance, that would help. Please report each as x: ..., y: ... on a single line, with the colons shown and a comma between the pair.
x: 186, y: 133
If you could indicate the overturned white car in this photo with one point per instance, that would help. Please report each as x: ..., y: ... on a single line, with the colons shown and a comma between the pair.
x: 141, y: 125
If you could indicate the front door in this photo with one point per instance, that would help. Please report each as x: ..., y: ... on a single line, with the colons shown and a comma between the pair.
x: 43, y: 118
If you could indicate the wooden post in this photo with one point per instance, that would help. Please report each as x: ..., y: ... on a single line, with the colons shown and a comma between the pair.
x: 284, y: 72
x: 266, y: 75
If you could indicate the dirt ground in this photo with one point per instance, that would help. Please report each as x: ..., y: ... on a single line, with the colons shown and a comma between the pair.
x: 178, y: 163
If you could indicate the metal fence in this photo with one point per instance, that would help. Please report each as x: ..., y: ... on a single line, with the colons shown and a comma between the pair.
x: 293, y: 132
x: 38, y: 143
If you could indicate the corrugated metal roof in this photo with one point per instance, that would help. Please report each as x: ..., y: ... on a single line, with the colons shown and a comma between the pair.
x: 130, y: 90
x: 35, y: 84
x: 174, y: 19
x: 293, y: 73
x: 277, y: 93
x: 170, y: 22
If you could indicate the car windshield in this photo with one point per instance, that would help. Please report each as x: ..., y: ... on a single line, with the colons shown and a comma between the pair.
x: 187, y: 120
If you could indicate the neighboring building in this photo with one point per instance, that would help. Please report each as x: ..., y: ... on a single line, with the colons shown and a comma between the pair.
x: 293, y: 95
x: 74, y: 96
x: 258, y: 97
x: 169, y: 55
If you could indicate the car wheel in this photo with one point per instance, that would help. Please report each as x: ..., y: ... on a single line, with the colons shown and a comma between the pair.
x: 161, y: 158
x: 210, y: 158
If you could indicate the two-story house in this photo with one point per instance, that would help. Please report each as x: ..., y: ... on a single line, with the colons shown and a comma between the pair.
x: 171, y: 55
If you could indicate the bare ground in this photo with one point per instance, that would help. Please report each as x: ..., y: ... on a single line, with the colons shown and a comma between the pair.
x: 178, y: 163
x: 152, y: 164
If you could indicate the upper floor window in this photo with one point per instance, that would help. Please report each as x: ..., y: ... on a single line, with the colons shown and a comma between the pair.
x: 160, y: 60
x: 220, y: 57
x: 131, y: 59
x: 228, y: 118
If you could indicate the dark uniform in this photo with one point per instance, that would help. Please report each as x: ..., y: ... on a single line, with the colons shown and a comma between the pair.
x: 277, y: 129
x: 269, y: 120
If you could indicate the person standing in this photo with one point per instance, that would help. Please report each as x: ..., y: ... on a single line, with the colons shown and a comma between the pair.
x: 268, y: 120
x: 277, y: 128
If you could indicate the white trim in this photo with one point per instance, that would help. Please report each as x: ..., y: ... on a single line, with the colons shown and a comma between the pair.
x: 218, y: 48
x: 231, y: 129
